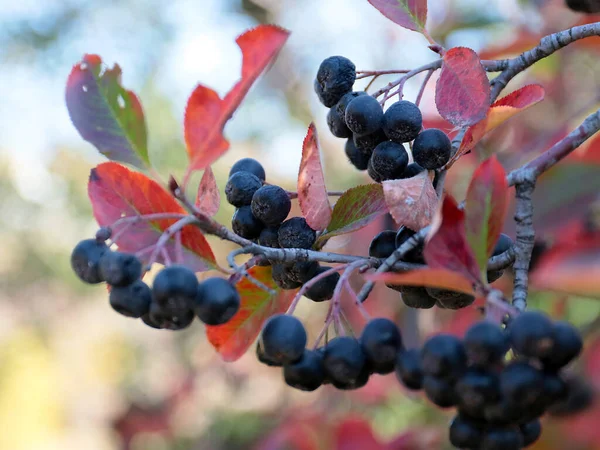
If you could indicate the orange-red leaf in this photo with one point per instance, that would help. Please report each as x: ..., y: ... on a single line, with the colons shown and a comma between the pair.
x: 208, y: 199
x: 206, y: 114
x: 410, y: 14
x: 232, y: 339
x: 462, y: 93
x: 485, y: 209
x: 435, y: 278
x: 412, y: 201
x: 500, y: 112
x: 446, y: 246
x: 355, y: 433
x: 117, y: 192
x: 312, y: 192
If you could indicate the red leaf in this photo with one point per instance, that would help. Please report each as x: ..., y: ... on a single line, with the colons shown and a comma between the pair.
x: 447, y: 247
x: 116, y: 192
x: 412, y: 201
x: 208, y: 199
x: 106, y: 114
x: 355, y: 433
x: 462, y: 93
x: 312, y: 192
x: 206, y: 114
x: 411, y: 14
x: 232, y: 339
x: 435, y: 278
x: 485, y: 209
x: 500, y: 112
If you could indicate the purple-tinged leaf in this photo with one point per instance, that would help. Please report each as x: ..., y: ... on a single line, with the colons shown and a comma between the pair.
x: 411, y: 14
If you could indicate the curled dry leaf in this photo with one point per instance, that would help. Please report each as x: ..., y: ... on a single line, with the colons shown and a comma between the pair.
x: 412, y: 201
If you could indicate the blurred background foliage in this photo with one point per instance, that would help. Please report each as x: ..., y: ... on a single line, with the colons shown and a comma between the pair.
x: 74, y: 375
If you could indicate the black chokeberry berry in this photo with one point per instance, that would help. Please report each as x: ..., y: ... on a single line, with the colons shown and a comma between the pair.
x: 555, y: 389
x: 431, y: 149
x: 440, y: 391
x: 411, y: 170
x: 465, y: 433
x: 245, y: 224
x: 408, y: 369
x: 283, y: 339
x: 476, y: 389
x: 364, y: 115
x: 532, y: 334
x: 132, y: 300
x: 170, y: 318
x: 584, y: 6
x: 240, y: 188
x: 503, y: 243
x: 296, y: 233
x: 336, y: 117
x: 148, y: 320
x: 502, y: 438
x: 402, y: 121
x: 383, y: 245
x: 381, y: 341
x: 271, y: 205
x: 344, y: 362
x: 443, y: 355
x: 269, y: 237
x: 85, y: 260
x: 175, y: 287
x: 389, y: 160
x: 323, y: 289
x: 217, y: 301
x: 248, y: 165
x: 521, y: 384
x: 103, y: 233
x: 119, y: 269
x: 416, y: 254
x: 417, y: 297
x: 302, y: 271
x: 359, y: 159
x: 493, y: 275
x: 375, y: 176
x: 367, y: 143
x: 282, y: 277
x: 502, y: 412
x: 335, y: 77
x: 567, y: 346
x: 579, y: 396
x: 531, y: 432
x: 486, y: 344
x: 451, y: 299
x: 260, y: 355
x: 306, y: 374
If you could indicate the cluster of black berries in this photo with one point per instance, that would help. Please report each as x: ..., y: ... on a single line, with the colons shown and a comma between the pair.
x: 176, y: 296
x: 344, y: 362
x: 261, y: 216
x: 584, y: 6
x: 386, y: 242
x: 376, y: 139
x: 499, y: 402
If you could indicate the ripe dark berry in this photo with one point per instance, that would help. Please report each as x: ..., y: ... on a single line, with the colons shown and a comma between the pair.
x: 584, y: 6
x: 417, y: 297
x: 364, y: 115
x: 411, y: 170
x: 271, y: 205
x: 306, y: 374
x: 485, y: 344
x: 579, y: 396
x: 502, y: 438
x: 335, y: 77
x: 175, y: 287
x: 260, y: 355
x: 532, y: 334
x: 85, y: 260
x: 555, y: 389
x: 567, y: 345
x: 383, y: 245
x: 103, y: 233
x: 416, y: 254
x: 443, y: 355
x: 282, y: 277
x: 502, y: 413
x: 283, y: 339
x: 119, y: 269
x: 248, y: 165
x: 169, y: 318
x: 367, y: 143
x: 344, y: 362
x: 240, y: 188
x: 440, y: 391
x: 217, y: 301
x: 465, y: 433
x: 476, y: 389
x: 408, y: 369
x: 402, y: 121
x: 358, y: 159
x: 531, y: 432
x: 245, y: 224
x: 147, y: 319
x: 389, y: 160
x: 493, y: 275
x: 431, y: 149
x: 381, y: 341
x: 336, y: 117
x: 323, y: 289
x: 503, y: 244
x: 521, y: 384
x: 269, y: 237
x: 132, y: 300
x: 375, y: 176
x: 451, y: 299
x: 296, y: 233
x: 302, y: 271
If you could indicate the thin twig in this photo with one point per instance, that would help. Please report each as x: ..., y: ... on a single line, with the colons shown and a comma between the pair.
x: 168, y: 234
x: 306, y: 286
x: 423, y: 86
